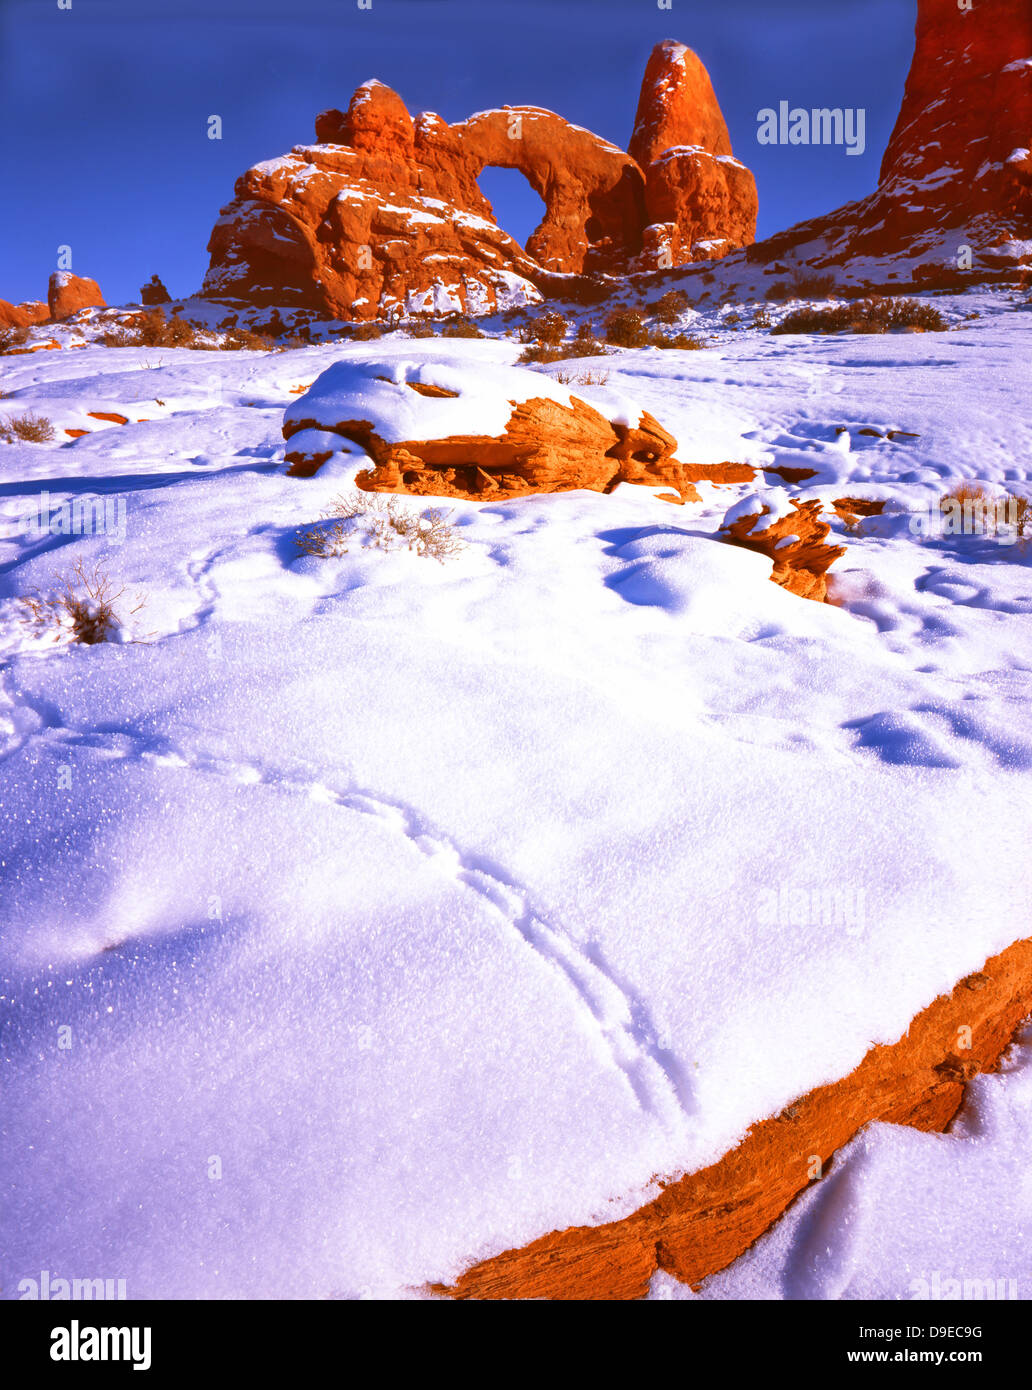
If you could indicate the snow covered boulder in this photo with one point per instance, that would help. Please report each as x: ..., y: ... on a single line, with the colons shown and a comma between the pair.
x: 439, y: 429
x: 791, y: 533
x: 68, y: 293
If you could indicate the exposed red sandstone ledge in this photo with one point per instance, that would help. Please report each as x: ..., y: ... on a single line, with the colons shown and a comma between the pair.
x: 800, y: 563
x: 704, y: 1221
x: 546, y: 447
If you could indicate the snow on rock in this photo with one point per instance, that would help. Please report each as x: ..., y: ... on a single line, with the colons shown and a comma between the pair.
x: 432, y: 428
x: 67, y: 293
x: 352, y: 226
x: 402, y: 912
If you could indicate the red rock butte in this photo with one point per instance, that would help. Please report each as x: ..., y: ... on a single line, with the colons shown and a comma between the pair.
x: 383, y: 213
x: 957, y: 170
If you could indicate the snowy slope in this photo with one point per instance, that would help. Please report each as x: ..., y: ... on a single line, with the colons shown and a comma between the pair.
x: 434, y: 901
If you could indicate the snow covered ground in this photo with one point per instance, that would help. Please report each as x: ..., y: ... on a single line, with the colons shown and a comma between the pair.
x: 366, y: 916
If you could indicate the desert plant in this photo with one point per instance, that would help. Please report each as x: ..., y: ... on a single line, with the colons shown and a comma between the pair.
x: 29, y: 428
x: 421, y: 329
x: 366, y: 332
x: 81, y: 607
x: 586, y: 378
x: 380, y: 522
x: 877, y: 314
x: 780, y: 290
x: 670, y: 306
x: 11, y: 338
x: 627, y: 328
x: 808, y: 284
x: 246, y: 340
x: 460, y: 328
x: 761, y: 319
x: 684, y: 342
x: 550, y: 329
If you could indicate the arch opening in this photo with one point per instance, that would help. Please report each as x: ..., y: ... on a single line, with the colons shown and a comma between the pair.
x: 518, y: 210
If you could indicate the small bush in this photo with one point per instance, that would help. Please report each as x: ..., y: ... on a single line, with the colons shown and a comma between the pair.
x: 670, y: 307
x: 12, y: 338
x: 421, y: 329
x: 810, y: 285
x: 627, y: 328
x: 542, y: 352
x: 779, y: 291
x: 684, y: 342
x: 366, y: 332
x: 81, y: 608
x: 550, y: 329
x: 460, y: 328
x: 761, y: 319
x: 243, y: 340
x: 380, y: 522
x: 586, y: 378
x: 29, y: 428
x: 878, y: 314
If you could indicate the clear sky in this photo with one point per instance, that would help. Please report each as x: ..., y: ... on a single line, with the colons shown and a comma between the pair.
x: 104, y: 106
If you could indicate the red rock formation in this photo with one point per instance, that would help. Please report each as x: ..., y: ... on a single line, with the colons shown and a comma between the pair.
x: 794, y: 542
x: 548, y: 441
x: 22, y: 315
x: 67, y: 293
x: 384, y: 213
x: 154, y: 292
x: 702, y: 1222
x: 958, y: 169
x: 700, y: 201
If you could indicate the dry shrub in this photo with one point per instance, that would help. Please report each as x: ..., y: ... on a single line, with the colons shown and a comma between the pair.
x: 780, y: 290
x: 586, y: 378
x: 366, y: 332
x: 684, y: 342
x: 542, y: 352
x: 29, y: 428
x: 877, y: 314
x: 11, y: 338
x: 81, y: 607
x: 808, y: 284
x: 421, y: 329
x: 549, y: 329
x: 380, y: 521
x: 244, y: 340
x: 627, y: 328
x: 460, y: 328
x: 670, y: 306
x: 761, y: 319
x: 983, y: 512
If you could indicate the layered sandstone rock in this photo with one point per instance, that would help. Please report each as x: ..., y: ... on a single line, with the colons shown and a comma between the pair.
x: 68, y: 293
x: 430, y: 431
x: 702, y: 1222
x: 957, y: 171
x: 700, y: 201
x: 794, y: 539
x: 22, y: 315
x: 383, y: 215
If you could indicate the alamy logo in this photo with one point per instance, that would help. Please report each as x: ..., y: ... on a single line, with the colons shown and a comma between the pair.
x: 789, y: 906
x: 83, y: 516
x: 817, y: 125
x: 52, y: 1288
x: 938, y: 1287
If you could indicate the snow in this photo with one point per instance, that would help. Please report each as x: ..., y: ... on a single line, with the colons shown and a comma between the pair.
x: 401, y: 912
x: 874, y: 1227
x: 377, y: 390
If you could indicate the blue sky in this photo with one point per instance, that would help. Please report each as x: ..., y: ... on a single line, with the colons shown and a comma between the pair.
x: 104, y: 107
